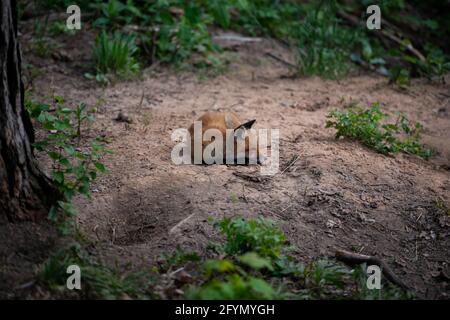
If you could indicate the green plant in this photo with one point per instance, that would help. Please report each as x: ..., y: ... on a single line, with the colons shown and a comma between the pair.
x: 97, y: 281
x: 270, y: 274
x: 227, y: 279
x: 179, y: 39
x: 257, y: 241
x: 287, y: 266
x: 259, y: 235
x: 176, y: 258
x: 324, y: 272
x: 60, y: 27
x: 62, y: 4
x: 265, y: 17
x: 114, y: 13
x: 437, y: 63
x: 390, y: 138
x: 74, y: 167
x: 400, y: 76
x: 234, y: 287
x: 171, y: 31
x: 324, y: 45
x: 114, y: 55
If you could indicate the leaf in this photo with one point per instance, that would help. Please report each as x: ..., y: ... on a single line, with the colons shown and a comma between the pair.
x: 221, y: 14
x: 54, y: 155
x: 58, y: 99
x: 367, y: 50
x: 84, y: 189
x: 192, y: 13
x: 39, y: 145
x: 52, y: 214
x: 222, y: 265
x: 68, y: 194
x: 69, y: 149
x: 93, y: 174
x: 262, y: 287
x: 89, y: 76
x: 65, y: 162
x: 253, y: 260
x: 100, y: 166
x: 67, y: 208
x: 62, y: 125
x: 58, y: 176
x: 65, y: 110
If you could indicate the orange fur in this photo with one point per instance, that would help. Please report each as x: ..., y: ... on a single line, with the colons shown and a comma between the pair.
x: 221, y: 121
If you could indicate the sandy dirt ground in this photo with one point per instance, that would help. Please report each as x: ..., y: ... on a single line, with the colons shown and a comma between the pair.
x: 328, y: 194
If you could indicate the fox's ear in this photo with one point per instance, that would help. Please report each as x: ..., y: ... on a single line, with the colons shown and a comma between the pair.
x: 247, y: 125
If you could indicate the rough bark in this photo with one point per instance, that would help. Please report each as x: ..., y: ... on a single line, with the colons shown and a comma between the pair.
x: 25, y: 191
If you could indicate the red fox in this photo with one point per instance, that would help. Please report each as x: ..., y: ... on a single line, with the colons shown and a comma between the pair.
x: 240, y: 142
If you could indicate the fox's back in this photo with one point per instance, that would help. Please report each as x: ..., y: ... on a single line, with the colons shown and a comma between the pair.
x: 228, y: 123
x: 217, y: 120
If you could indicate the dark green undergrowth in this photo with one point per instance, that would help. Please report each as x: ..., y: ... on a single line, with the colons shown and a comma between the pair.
x: 97, y: 280
x: 114, y: 55
x: 178, y: 33
x: 253, y: 262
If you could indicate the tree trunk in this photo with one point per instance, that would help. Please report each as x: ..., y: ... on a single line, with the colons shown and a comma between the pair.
x: 25, y: 191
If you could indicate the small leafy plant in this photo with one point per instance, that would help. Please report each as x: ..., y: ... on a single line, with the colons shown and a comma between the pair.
x: 365, y: 125
x: 255, y: 267
x: 74, y: 167
x: 259, y: 235
x: 60, y: 27
x: 176, y: 258
x: 114, y: 55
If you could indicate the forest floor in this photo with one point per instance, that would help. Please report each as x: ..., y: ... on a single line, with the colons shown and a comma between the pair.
x: 338, y: 194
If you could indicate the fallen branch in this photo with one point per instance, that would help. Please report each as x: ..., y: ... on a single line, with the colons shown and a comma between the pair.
x: 384, y: 34
x: 276, y: 58
x: 370, y: 67
x: 175, y: 227
x: 294, y: 160
x: 352, y: 258
x: 252, y: 177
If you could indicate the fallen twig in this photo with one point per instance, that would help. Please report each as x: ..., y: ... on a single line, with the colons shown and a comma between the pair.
x: 352, y: 258
x: 384, y: 34
x: 142, y: 99
x: 250, y: 177
x: 176, y: 271
x: 290, y: 164
x: 180, y: 223
x: 271, y: 55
